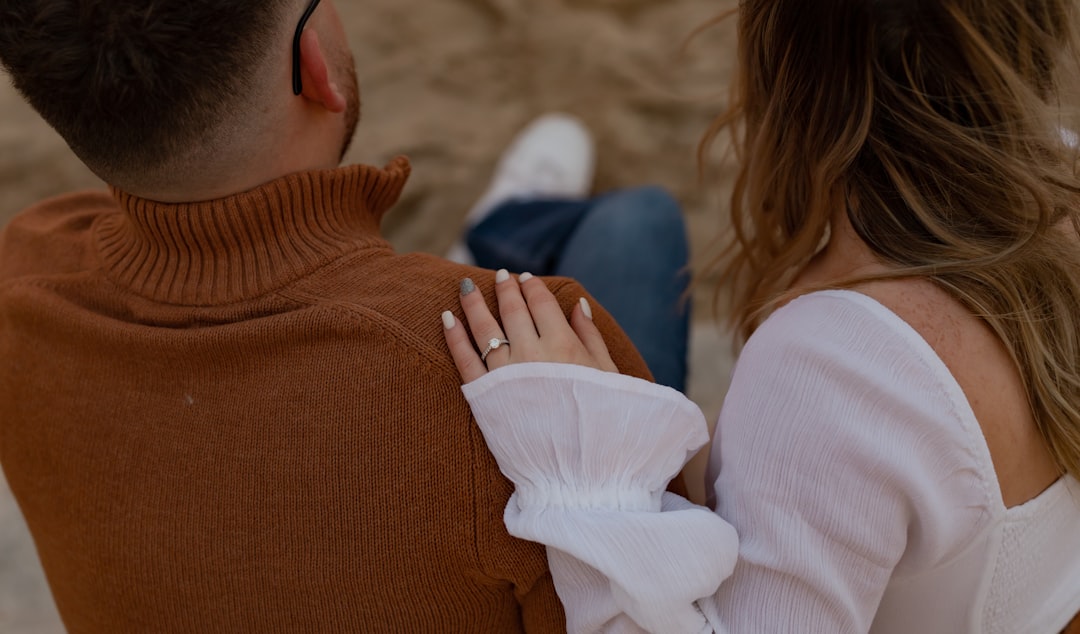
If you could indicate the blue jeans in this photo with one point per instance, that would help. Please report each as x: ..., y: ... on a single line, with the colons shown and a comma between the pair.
x: 627, y: 248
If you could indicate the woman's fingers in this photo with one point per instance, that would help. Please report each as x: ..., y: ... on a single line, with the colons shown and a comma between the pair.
x: 546, y: 312
x: 559, y: 342
x: 462, y: 350
x: 581, y: 320
x: 516, y: 319
x: 487, y: 333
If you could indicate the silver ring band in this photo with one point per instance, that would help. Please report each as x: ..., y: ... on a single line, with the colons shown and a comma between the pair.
x: 493, y: 344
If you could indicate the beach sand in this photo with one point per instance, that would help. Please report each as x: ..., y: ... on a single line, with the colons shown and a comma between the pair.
x: 448, y: 83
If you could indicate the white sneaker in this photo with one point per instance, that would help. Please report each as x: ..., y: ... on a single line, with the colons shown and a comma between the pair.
x: 553, y: 157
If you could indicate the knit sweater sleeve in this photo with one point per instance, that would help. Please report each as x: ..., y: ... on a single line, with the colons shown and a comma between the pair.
x: 842, y: 455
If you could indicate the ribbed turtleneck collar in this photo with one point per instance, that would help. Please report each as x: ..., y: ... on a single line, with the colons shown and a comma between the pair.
x: 243, y: 246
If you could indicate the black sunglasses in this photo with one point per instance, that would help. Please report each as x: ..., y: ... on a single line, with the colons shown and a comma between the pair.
x: 297, y: 82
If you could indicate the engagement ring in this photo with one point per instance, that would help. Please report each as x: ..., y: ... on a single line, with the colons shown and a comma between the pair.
x: 494, y: 344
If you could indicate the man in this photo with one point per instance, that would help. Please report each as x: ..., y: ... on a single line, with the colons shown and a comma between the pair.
x: 225, y: 402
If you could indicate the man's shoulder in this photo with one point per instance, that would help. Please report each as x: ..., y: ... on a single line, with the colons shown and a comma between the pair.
x: 422, y: 278
x: 53, y: 234
x: 66, y: 211
x: 409, y: 292
x: 422, y: 286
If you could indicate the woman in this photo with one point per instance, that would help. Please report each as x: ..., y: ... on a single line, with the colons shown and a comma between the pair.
x: 900, y: 446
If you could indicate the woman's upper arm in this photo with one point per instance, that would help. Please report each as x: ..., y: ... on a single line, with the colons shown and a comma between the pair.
x: 836, y: 459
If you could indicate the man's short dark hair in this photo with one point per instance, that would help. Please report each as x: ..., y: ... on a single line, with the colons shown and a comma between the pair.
x: 132, y: 83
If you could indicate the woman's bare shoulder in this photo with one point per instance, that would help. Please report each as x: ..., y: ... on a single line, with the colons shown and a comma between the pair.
x: 986, y: 372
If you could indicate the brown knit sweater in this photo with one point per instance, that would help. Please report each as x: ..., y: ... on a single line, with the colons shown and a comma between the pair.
x: 241, y: 416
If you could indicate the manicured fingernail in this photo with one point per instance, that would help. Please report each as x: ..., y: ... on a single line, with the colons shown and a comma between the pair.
x: 525, y: 277
x: 585, y: 308
x: 502, y: 276
x: 467, y: 286
x: 448, y: 320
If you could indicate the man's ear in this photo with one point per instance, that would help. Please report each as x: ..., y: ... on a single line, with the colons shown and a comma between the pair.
x: 315, y: 73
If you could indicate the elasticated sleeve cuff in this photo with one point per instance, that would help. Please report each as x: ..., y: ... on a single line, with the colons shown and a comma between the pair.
x: 575, y: 437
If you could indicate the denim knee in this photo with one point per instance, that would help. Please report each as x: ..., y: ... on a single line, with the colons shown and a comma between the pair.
x: 646, y: 217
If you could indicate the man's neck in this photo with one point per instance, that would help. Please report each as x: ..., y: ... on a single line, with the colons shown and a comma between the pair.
x: 193, y: 193
x: 306, y: 140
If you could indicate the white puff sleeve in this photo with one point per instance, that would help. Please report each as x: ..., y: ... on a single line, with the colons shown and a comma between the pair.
x: 591, y: 454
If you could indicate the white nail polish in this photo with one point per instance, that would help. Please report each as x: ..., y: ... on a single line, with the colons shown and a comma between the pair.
x: 502, y: 276
x: 586, y: 308
x: 448, y: 320
x: 525, y: 277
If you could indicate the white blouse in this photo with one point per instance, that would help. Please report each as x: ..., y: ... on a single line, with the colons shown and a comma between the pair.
x: 847, y: 460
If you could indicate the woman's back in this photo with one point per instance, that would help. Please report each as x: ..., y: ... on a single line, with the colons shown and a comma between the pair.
x: 864, y: 493
x: 1022, y: 546
x: 975, y: 356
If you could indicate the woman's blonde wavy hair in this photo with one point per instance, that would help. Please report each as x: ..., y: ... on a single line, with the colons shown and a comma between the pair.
x: 941, y: 127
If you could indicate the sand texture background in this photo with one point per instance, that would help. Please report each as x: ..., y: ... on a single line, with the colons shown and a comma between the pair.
x: 448, y: 83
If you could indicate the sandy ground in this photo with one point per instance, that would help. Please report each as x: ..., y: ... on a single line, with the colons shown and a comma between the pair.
x: 448, y: 83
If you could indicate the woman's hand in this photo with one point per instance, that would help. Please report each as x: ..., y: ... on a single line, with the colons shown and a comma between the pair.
x: 535, y: 328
